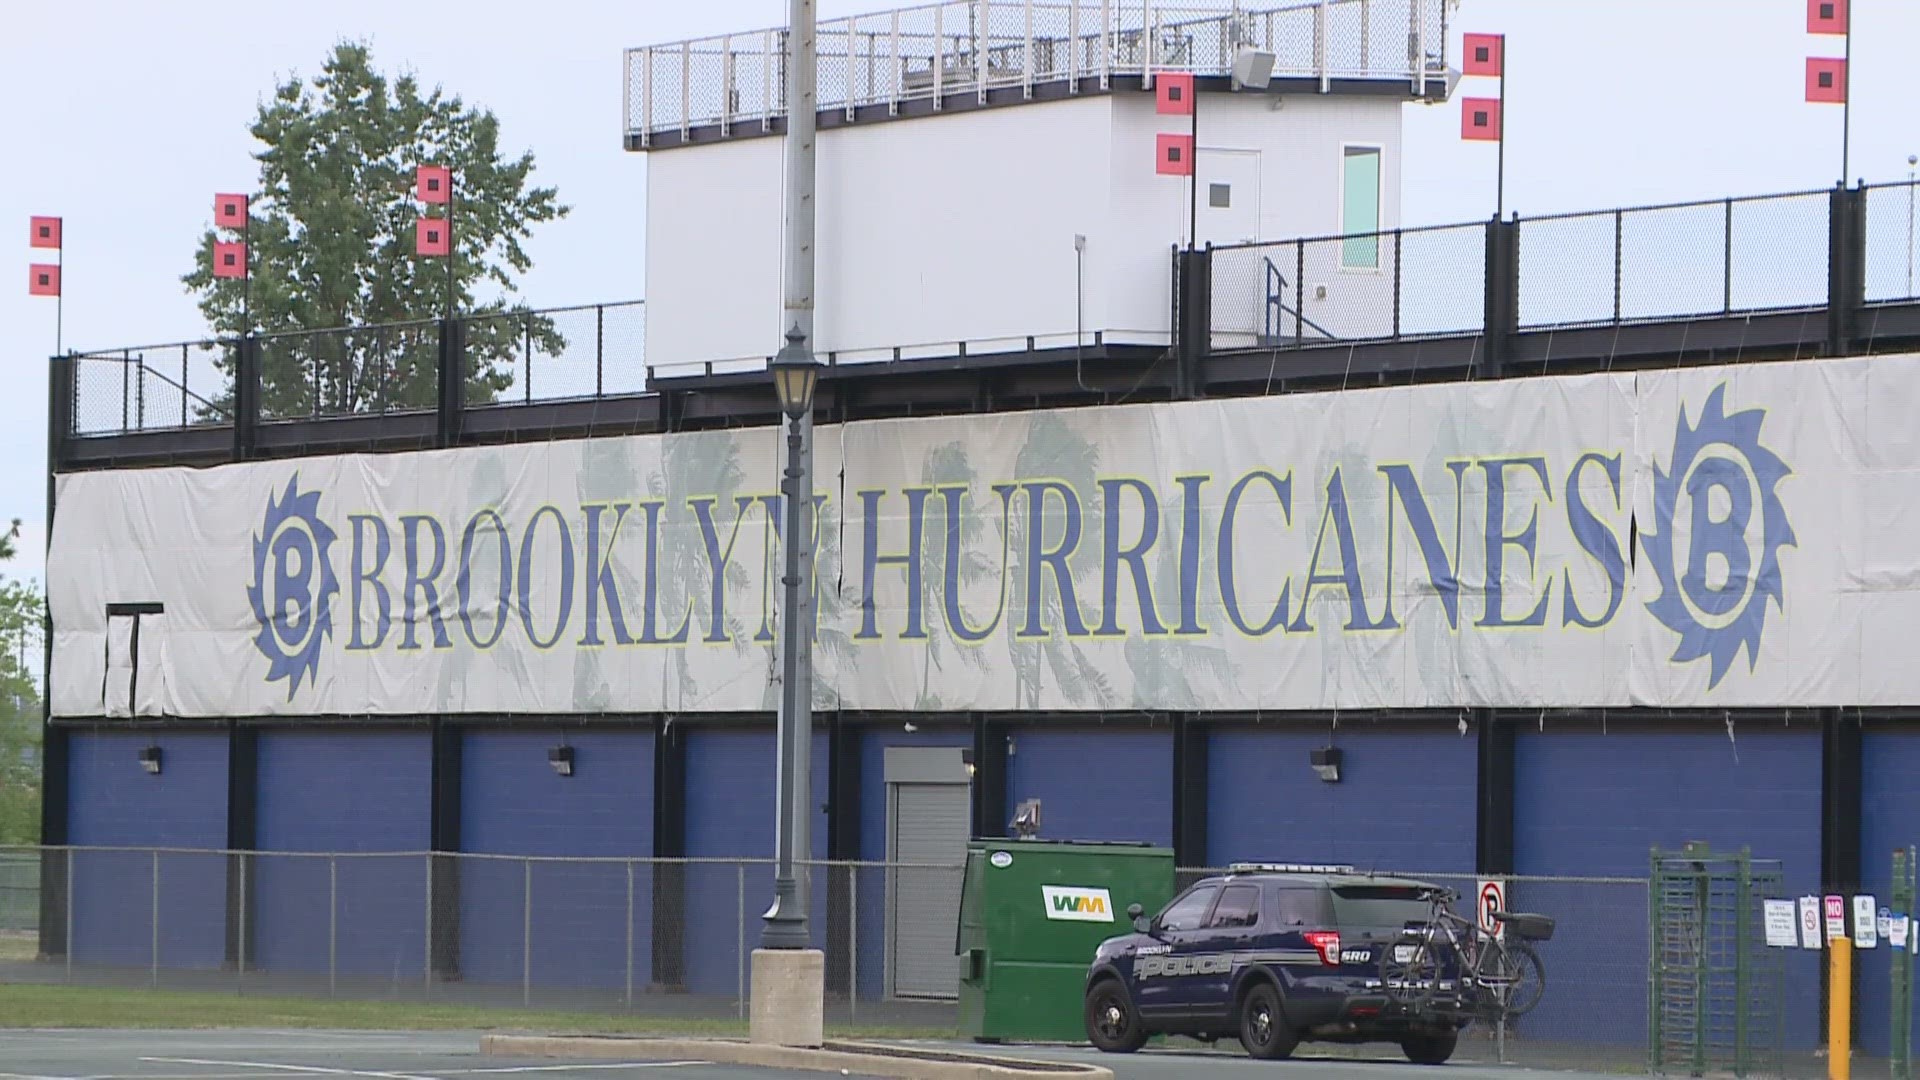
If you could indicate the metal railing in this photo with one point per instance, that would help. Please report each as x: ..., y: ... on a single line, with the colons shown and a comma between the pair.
x: 153, y: 387
x: 552, y: 354
x: 1729, y: 257
x: 934, y: 51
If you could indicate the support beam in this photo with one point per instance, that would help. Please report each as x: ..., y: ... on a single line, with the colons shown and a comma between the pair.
x: 1493, y: 794
x: 1502, y: 298
x: 669, y: 842
x: 990, y: 809
x: 1190, y: 791
x: 54, y: 808
x: 452, y: 379
x: 1840, y: 814
x: 444, y: 830
x: 843, y: 845
x: 243, y: 803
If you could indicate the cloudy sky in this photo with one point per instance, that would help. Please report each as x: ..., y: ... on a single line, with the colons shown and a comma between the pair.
x: 125, y: 117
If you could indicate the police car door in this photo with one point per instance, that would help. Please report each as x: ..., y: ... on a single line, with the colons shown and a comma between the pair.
x: 1161, y: 969
x: 1229, y: 935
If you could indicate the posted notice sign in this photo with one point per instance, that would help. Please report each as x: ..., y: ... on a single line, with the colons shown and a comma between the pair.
x: 1810, y: 923
x: 1836, y: 909
x: 1783, y: 929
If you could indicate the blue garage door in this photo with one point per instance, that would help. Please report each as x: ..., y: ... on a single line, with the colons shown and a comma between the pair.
x: 730, y: 783
x: 1890, y: 818
x: 350, y: 792
x: 1592, y: 802
x: 114, y: 803
x: 513, y: 803
x: 1105, y: 783
x: 1405, y: 799
x: 872, y: 930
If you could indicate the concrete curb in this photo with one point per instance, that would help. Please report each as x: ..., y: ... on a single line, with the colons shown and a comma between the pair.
x: 857, y: 1059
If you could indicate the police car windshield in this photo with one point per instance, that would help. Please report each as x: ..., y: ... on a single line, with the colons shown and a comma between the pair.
x: 1378, y: 906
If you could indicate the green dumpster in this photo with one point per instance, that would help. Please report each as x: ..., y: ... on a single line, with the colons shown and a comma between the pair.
x: 1031, y: 914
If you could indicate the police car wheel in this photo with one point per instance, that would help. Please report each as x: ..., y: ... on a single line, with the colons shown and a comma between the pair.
x: 1112, y: 1025
x: 1429, y: 1049
x: 1263, y: 1026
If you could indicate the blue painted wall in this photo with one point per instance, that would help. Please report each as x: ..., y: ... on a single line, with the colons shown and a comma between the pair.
x: 343, y: 790
x: 1890, y: 818
x: 1593, y: 803
x: 1405, y: 800
x: 113, y: 803
x: 512, y: 803
x: 730, y: 804
x: 1095, y: 783
x: 872, y: 883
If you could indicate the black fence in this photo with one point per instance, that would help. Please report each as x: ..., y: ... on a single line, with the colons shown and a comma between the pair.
x: 1724, y: 257
x: 394, y: 368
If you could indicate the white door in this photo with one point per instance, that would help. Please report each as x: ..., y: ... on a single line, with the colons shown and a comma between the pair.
x: 1229, y: 194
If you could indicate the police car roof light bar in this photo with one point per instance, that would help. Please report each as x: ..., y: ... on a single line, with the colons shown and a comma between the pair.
x: 1287, y: 868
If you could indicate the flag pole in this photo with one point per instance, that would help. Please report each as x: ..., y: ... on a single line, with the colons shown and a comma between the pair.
x: 1500, y: 181
x: 60, y: 295
x: 453, y: 252
x: 1846, y: 100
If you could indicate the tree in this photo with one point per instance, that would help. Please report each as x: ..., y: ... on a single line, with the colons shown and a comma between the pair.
x: 332, y: 244
x: 22, y: 611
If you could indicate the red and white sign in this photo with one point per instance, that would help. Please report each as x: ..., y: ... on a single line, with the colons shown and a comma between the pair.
x: 1493, y: 897
x: 1836, y: 917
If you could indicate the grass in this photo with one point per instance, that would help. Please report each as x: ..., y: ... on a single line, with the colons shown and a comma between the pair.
x: 90, y: 1007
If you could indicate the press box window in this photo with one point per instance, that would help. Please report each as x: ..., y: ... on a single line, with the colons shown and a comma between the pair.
x: 1220, y: 196
x: 1360, y: 208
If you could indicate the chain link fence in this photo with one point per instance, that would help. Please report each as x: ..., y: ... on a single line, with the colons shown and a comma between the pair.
x: 931, y: 51
x: 155, y: 387
x: 1892, y: 259
x: 673, y: 937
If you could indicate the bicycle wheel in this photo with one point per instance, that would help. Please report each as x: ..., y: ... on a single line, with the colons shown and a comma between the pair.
x: 1410, y: 972
x: 1512, y: 979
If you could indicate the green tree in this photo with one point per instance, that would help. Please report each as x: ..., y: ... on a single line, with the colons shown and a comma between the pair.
x: 22, y: 610
x: 332, y: 244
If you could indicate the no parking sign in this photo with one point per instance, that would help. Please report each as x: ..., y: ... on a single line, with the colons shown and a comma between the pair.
x: 1493, y: 897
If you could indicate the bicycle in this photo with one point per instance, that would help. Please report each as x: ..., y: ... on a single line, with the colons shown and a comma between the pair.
x: 1495, y: 976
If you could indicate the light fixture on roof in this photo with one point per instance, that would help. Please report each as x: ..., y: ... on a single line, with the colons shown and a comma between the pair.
x: 1252, y: 68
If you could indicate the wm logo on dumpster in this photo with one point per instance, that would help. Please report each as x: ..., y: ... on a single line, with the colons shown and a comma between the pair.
x: 1077, y: 905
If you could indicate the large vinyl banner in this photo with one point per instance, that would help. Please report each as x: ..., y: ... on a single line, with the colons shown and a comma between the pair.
x: 1727, y: 536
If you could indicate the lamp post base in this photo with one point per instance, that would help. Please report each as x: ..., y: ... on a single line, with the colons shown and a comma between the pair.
x: 788, y: 1003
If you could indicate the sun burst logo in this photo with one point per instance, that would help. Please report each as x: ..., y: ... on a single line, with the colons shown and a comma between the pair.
x: 293, y: 586
x: 1719, y: 494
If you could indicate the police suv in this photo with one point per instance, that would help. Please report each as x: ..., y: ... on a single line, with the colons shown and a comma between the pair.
x: 1277, y: 954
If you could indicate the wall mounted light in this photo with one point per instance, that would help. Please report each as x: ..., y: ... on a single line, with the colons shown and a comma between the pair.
x: 1326, y: 763
x: 1026, y: 819
x: 150, y: 760
x: 561, y: 759
x: 966, y: 759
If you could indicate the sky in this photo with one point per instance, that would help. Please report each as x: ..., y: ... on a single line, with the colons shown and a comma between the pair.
x: 125, y: 118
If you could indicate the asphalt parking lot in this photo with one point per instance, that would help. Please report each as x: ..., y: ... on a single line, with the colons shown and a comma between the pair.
x: 286, y: 1055
x: 1226, y: 1065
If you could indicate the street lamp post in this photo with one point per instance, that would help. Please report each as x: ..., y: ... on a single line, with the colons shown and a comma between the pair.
x: 795, y: 374
x: 788, y: 993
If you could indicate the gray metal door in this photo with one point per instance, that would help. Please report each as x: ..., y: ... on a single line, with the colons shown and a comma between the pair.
x: 927, y: 829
